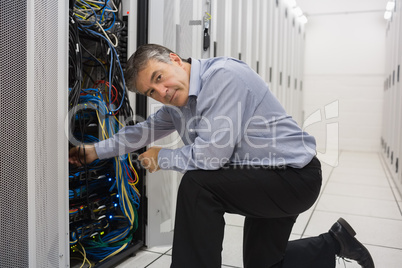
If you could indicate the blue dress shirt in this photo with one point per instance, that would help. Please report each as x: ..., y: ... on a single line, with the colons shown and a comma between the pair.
x: 231, y: 117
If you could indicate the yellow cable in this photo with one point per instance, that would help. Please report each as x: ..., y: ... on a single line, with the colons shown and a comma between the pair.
x: 102, y: 124
x: 118, y: 236
x: 132, y: 166
x: 94, y: 5
x: 125, y: 196
x: 118, y: 121
x: 114, y: 253
x: 82, y: 17
x: 123, y: 192
x: 84, y: 254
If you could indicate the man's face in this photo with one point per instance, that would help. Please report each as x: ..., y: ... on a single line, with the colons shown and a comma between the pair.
x: 166, y: 83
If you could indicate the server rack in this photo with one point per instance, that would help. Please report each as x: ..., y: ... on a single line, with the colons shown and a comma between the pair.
x: 236, y: 22
x: 392, y: 119
x: 107, y: 199
x: 180, y: 27
x: 269, y: 36
x: 263, y: 49
x: 34, y: 131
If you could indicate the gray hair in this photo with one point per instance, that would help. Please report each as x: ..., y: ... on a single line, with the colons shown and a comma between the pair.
x: 139, y: 61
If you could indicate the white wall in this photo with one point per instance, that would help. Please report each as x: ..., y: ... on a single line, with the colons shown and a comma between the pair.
x: 344, y: 72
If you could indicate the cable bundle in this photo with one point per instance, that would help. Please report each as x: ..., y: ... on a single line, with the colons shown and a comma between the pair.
x: 94, y: 57
x: 97, y: 14
x: 103, y: 211
x: 99, y: 248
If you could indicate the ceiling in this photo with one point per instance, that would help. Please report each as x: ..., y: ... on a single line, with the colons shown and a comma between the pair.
x: 323, y: 7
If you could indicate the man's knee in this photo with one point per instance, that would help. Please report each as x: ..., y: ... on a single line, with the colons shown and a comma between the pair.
x: 190, y: 186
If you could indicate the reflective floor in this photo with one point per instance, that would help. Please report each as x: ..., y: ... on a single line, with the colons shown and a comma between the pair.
x: 358, y: 189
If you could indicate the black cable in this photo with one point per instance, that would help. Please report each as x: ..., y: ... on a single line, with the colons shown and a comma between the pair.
x: 84, y: 44
x: 99, y: 11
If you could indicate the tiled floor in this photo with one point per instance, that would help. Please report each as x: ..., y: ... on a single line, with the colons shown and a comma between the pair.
x: 359, y: 189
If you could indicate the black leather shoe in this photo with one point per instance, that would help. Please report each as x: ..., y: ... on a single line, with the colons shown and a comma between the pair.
x: 351, y: 248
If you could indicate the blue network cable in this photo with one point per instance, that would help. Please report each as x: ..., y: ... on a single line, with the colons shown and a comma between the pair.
x: 101, y: 240
x: 114, y: 16
x: 113, y: 51
x: 129, y: 201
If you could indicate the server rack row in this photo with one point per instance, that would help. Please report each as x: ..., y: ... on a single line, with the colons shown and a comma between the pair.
x: 36, y: 180
x: 391, y: 140
x: 270, y: 37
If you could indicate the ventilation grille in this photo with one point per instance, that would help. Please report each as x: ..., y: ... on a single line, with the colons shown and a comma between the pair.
x: 186, y: 38
x: 38, y: 181
x: 13, y: 135
x: 46, y: 132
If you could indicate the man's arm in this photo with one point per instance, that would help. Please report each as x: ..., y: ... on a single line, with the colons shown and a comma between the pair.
x: 127, y: 140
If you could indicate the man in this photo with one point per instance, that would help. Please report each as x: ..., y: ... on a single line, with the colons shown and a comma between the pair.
x: 243, y: 154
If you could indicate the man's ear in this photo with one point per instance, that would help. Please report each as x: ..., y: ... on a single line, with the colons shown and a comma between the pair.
x: 175, y: 58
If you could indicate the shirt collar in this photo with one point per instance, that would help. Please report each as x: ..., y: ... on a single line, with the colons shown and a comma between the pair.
x: 195, y: 83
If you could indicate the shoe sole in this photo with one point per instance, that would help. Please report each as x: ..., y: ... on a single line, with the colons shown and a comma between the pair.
x: 352, y: 232
x: 347, y: 227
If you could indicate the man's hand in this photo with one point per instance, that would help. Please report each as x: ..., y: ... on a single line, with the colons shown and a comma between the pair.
x: 81, y: 155
x: 149, y: 159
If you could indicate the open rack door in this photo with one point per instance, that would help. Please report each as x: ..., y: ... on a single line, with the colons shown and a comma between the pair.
x: 33, y: 152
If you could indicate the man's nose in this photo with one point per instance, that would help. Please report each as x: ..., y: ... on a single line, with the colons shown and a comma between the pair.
x: 162, y: 90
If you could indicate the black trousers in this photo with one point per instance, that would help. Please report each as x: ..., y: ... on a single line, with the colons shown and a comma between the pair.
x: 270, y: 199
